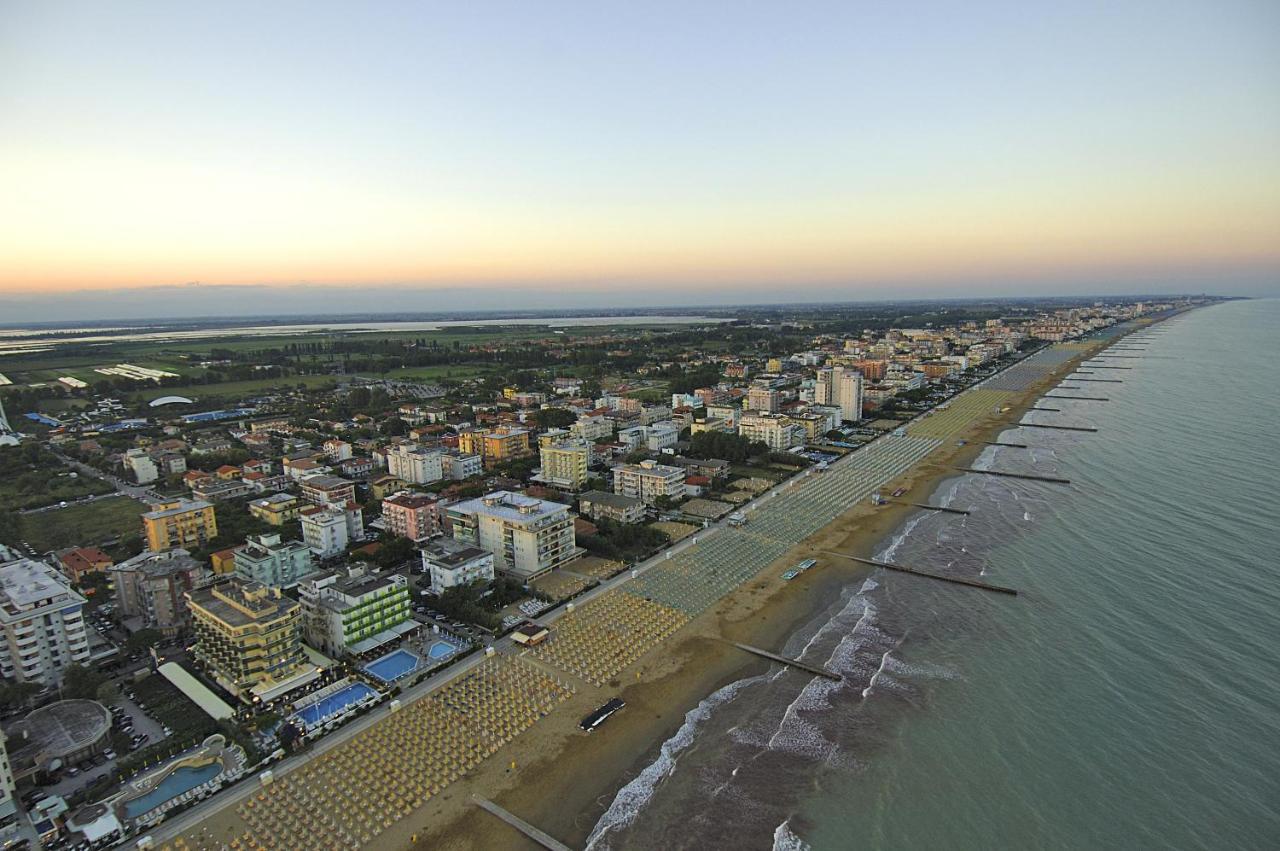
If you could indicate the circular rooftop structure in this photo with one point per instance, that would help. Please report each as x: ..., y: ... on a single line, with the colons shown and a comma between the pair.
x: 67, y: 730
x: 170, y: 400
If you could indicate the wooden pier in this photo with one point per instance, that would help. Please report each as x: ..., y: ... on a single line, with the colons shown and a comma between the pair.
x: 1055, y: 410
x: 1010, y: 445
x: 1081, y: 398
x: 793, y: 663
x: 545, y: 840
x: 955, y: 580
x: 1029, y: 476
x: 1100, y: 380
x: 1057, y: 427
x: 1099, y: 366
x: 940, y: 508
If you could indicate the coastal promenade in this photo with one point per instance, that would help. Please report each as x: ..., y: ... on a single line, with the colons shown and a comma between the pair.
x: 463, y: 715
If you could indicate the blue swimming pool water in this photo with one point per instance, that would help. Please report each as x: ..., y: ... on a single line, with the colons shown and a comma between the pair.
x: 182, y: 780
x: 441, y: 650
x: 393, y: 666
x: 326, y: 708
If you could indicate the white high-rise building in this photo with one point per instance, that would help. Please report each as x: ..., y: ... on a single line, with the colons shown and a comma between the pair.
x: 42, y: 628
x: 527, y: 536
x: 8, y: 806
x: 414, y: 464
x: 840, y: 388
x: 143, y: 468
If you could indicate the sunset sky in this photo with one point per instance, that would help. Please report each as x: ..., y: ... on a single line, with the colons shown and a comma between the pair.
x: 535, y: 153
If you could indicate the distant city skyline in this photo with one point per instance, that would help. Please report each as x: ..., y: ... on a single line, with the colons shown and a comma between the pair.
x: 569, y: 155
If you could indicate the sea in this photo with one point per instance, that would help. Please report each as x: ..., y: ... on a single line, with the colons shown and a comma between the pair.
x: 1128, y: 698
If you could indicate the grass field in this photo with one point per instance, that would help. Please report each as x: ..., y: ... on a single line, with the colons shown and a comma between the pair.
x: 457, y: 372
x: 81, y: 525
x: 237, y: 388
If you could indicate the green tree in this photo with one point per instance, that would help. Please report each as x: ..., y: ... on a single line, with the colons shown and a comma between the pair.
x: 79, y: 682
x: 143, y: 639
x: 548, y: 418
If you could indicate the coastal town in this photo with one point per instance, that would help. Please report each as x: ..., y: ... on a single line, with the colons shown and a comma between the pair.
x: 283, y: 591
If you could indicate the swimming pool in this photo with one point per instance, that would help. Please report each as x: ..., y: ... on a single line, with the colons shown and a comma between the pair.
x: 180, y: 780
x: 441, y: 650
x: 335, y: 704
x: 393, y: 666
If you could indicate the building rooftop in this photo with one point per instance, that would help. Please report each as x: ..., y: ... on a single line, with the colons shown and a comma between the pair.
x: 25, y: 583
x: 183, y: 506
x: 405, y: 499
x: 326, y: 482
x: 613, y: 500
x: 451, y: 554
x: 241, y: 602
x: 506, y: 505
x: 159, y: 564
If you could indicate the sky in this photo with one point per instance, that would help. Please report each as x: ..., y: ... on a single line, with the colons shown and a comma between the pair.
x: 223, y: 158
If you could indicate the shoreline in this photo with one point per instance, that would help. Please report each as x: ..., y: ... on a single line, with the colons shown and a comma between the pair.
x: 578, y: 776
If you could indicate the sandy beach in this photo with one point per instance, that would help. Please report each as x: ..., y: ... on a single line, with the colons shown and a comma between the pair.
x: 564, y: 779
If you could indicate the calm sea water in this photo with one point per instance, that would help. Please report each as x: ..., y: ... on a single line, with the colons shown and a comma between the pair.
x: 1129, y: 698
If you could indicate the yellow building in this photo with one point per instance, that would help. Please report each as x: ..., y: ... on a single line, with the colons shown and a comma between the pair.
x: 185, y: 523
x: 383, y: 486
x: 774, y: 365
x: 277, y: 509
x: 506, y: 443
x: 223, y: 561
x: 564, y: 465
x: 248, y: 636
x: 471, y: 441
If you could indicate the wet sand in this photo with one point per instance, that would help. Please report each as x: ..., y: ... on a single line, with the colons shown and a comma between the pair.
x: 564, y: 779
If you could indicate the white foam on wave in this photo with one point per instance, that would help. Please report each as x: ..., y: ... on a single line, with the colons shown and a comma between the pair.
x: 884, y: 660
x: 785, y: 839
x: 1026, y: 515
x: 632, y: 798
x: 887, y: 552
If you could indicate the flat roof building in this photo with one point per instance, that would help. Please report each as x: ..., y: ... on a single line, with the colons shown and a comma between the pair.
x: 270, y: 561
x: 185, y: 523
x: 451, y: 563
x: 41, y: 621
x: 354, y: 613
x: 249, y: 637
x: 527, y: 536
x: 153, y: 586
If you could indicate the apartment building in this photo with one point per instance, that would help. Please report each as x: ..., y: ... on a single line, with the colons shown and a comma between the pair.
x: 459, y: 465
x: 354, y: 612
x: 268, y: 560
x: 504, y: 444
x: 527, y: 536
x: 602, y: 505
x: 324, y: 532
x: 649, y: 480
x: 774, y: 430
x: 411, y: 515
x: 277, y: 509
x: 763, y: 399
x: 564, y: 464
x: 328, y: 491
x: 841, y: 388
x: 592, y: 428
x: 152, y: 587
x: 41, y: 621
x: 451, y: 563
x: 140, y: 464
x: 189, y: 524
x: 249, y: 638
x: 662, y: 435
x: 415, y: 464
